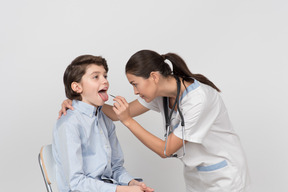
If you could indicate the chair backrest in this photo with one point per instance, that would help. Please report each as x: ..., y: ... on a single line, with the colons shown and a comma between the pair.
x: 48, y: 167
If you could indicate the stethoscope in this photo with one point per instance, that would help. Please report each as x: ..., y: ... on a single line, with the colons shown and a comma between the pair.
x: 168, y: 119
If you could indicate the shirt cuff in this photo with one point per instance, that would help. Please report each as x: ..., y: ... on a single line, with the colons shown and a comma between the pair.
x: 125, y: 179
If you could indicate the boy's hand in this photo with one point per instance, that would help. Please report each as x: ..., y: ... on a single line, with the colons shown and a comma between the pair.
x: 141, y: 185
x: 67, y: 104
x: 145, y: 188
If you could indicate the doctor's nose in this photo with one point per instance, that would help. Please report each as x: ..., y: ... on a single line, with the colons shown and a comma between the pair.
x: 136, y: 92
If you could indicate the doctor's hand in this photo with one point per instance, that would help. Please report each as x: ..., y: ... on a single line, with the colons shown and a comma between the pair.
x: 67, y: 104
x: 121, y: 109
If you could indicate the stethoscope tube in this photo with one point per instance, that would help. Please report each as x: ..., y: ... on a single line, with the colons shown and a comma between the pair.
x: 168, y: 119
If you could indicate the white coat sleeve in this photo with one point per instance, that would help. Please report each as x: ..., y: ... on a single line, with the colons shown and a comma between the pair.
x: 199, y: 117
x: 153, y: 105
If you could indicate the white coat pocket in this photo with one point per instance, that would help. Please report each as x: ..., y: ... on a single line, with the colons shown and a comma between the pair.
x: 216, y: 177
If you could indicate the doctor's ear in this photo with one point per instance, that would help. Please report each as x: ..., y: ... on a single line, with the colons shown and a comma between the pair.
x: 155, y: 76
x: 76, y: 87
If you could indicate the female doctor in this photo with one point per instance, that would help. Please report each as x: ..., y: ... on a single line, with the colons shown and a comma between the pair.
x: 198, y: 128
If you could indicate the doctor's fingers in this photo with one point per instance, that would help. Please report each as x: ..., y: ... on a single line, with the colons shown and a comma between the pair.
x: 119, y: 112
x: 120, y: 106
x: 116, y: 111
x: 122, y: 101
x: 66, y: 104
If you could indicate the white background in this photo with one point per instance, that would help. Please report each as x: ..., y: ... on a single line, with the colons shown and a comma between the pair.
x: 241, y: 46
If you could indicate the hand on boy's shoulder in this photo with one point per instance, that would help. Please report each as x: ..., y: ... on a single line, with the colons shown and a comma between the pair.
x: 66, y: 104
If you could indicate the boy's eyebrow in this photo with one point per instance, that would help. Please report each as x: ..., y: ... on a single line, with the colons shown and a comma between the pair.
x: 96, y: 72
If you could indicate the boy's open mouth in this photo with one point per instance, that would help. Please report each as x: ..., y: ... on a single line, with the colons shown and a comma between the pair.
x: 103, y: 94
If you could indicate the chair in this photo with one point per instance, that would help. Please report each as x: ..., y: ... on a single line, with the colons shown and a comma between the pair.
x: 48, y: 168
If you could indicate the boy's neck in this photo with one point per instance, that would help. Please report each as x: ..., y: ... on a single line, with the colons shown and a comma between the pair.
x: 95, y: 107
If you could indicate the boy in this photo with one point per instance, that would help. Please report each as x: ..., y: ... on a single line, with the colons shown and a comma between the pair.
x: 85, y: 147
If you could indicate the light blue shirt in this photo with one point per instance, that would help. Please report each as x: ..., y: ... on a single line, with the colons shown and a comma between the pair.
x: 86, y: 150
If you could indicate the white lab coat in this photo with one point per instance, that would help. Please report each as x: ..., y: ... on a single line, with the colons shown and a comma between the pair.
x: 214, y: 159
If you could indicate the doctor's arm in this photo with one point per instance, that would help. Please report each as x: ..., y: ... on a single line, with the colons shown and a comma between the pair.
x: 121, y: 109
x: 135, y: 109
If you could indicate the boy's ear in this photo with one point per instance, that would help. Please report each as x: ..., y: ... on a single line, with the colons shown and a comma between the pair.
x: 76, y: 87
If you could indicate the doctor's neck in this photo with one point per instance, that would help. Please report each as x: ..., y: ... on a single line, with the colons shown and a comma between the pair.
x: 168, y: 87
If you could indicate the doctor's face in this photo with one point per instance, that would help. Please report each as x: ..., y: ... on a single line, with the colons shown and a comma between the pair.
x: 145, y: 88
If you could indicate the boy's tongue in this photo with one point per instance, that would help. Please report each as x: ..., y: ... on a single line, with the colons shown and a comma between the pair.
x: 103, y: 95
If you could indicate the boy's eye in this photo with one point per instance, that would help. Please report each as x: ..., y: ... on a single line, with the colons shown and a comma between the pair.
x: 105, y: 76
x: 95, y: 77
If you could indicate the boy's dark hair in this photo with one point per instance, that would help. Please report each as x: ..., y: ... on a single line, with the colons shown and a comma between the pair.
x: 75, y: 71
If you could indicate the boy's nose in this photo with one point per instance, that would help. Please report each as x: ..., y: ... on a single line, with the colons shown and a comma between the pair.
x: 104, y: 80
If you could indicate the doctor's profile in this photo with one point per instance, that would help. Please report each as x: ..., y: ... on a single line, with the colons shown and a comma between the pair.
x: 197, y: 126
x: 85, y: 147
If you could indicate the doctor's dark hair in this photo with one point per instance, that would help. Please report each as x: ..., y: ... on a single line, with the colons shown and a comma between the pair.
x: 75, y: 71
x: 143, y: 62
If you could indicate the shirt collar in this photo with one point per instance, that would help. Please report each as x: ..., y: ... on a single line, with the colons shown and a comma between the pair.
x: 85, y: 108
x: 191, y: 87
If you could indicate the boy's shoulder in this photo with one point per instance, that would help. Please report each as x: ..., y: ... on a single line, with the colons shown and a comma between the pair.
x: 69, y: 114
x: 72, y: 116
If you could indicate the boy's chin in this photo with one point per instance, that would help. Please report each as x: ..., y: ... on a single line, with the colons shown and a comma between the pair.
x: 100, y: 103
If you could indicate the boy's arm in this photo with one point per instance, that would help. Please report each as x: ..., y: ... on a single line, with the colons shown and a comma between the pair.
x: 119, y: 172
x: 70, y: 153
x: 117, y: 160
